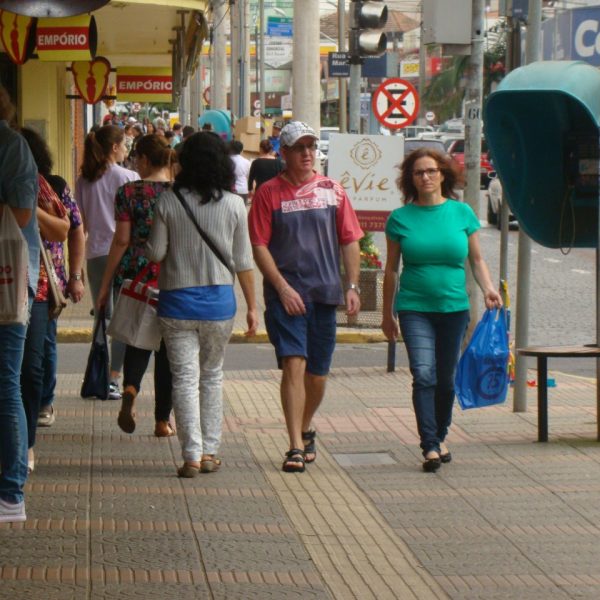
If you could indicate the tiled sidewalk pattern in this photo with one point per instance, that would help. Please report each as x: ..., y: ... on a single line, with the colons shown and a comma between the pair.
x: 508, y: 518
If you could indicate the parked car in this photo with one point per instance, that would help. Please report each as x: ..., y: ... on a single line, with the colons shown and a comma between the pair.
x: 494, y: 194
x: 456, y: 149
x: 414, y: 143
x: 417, y: 130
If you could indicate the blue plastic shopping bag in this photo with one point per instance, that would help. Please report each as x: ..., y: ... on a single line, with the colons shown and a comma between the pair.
x: 482, y: 372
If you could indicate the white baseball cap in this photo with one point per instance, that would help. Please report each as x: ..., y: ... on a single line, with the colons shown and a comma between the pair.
x: 295, y: 130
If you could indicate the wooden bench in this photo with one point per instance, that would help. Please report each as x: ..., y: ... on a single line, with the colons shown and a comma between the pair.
x: 542, y: 353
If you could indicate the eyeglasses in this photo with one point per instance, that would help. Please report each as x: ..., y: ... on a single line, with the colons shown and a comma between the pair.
x: 302, y: 147
x: 431, y: 173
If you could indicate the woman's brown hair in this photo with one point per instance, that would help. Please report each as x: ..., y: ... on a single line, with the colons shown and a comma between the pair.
x: 97, y: 150
x: 447, y: 168
x: 157, y: 150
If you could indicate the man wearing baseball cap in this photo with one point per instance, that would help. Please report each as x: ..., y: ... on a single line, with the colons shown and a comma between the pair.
x: 299, y: 221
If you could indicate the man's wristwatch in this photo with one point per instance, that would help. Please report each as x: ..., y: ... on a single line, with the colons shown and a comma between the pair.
x: 76, y: 276
x: 353, y: 286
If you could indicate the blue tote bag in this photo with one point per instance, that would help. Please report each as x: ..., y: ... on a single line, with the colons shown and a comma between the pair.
x: 482, y: 371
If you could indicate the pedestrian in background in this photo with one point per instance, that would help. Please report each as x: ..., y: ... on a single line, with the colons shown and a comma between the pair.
x: 197, y: 301
x: 434, y: 235
x: 264, y: 167
x: 134, y: 213
x: 241, y: 168
x: 54, y: 223
x: 95, y: 192
x: 18, y: 193
x: 299, y: 222
x: 71, y: 280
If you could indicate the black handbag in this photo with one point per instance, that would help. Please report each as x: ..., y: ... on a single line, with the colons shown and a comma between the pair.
x: 96, y: 380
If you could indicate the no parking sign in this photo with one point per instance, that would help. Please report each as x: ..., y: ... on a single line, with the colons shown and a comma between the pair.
x: 395, y: 103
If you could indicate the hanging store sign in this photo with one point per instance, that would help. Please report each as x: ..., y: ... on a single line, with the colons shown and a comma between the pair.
x: 17, y: 35
x: 91, y: 78
x: 145, y: 84
x: 70, y: 39
x: 53, y: 8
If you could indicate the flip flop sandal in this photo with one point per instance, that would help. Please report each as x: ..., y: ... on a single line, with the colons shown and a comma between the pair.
x: 310, y: 446
x: 188, y: 471
x: 210, y: 464
x: 294, y: 461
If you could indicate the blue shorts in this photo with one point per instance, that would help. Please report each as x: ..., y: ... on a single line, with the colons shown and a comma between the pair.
x: 311, y: 335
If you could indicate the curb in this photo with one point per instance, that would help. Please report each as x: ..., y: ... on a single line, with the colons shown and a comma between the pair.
x: 82, y: 335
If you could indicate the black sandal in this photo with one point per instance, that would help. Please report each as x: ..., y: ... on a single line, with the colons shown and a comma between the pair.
x: 310, y: 446
x: 294, y: 461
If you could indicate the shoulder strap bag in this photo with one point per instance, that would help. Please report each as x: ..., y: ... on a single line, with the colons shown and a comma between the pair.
x: 56, y: 298
x: 203, y: 235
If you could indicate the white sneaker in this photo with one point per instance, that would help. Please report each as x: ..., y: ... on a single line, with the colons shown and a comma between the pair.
x: 46, y: 417
x: 12, y: 513
x: 113, y: 391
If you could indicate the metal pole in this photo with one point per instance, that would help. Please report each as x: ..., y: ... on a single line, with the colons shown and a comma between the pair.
x: 234, y: 19
x: 261, y: 21
x: 342, y: 83
x: 473, y: 101
x: 244, y: 59
x: 218, y: 96
x: 306, y: 99
x: 354, y: 99
x: 422, y: 70
x: 534, y: 25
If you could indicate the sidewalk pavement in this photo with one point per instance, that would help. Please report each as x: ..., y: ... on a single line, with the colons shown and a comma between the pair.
x: 508, y: 518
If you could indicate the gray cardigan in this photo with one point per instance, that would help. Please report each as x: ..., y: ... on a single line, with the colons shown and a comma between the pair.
x: 186, y: 260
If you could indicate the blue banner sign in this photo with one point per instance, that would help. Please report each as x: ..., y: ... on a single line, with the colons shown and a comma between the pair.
x: 280, y: 27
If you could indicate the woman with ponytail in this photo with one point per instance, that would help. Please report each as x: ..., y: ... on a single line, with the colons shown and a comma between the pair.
x: 134, y: 214
x: 95, y: 190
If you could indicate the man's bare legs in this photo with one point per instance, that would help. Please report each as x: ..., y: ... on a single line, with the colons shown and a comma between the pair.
x: 314, y: 386
x: 301, y: 396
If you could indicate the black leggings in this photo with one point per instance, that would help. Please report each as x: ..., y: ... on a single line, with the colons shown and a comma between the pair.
x: 134, y: 367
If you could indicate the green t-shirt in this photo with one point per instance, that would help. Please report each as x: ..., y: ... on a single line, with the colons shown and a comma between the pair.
x: 434, y: 245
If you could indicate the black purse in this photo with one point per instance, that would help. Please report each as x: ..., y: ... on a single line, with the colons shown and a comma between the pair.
x: 203, y: 235
x: 96, y: 380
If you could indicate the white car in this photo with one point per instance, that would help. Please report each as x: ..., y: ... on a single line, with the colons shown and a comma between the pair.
x: 324, y: 141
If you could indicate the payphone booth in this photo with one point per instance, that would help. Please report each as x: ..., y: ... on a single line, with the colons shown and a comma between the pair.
x: 542, y: 126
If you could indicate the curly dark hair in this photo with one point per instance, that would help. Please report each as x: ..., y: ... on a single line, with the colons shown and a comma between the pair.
x: 206, y: 167
x: 446, y: 165
x: 39, y: 150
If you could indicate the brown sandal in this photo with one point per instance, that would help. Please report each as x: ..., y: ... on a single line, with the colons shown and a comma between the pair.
x: 164, y: 429
x: 126, y: 418
x: 209, y: 463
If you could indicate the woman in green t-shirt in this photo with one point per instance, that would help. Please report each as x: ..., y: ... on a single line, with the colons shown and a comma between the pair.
x: 434, y: 235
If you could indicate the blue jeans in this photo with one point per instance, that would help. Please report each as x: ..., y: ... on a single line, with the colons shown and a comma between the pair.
x: 13, y: 424
x: 32, y: 371
x: 50, y: 364
x: 433, y: 342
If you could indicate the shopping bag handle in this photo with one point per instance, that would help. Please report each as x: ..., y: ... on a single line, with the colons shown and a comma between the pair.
x: 138, y: 278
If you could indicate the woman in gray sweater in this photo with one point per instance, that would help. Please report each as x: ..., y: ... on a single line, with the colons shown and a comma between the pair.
x: 197, y: 300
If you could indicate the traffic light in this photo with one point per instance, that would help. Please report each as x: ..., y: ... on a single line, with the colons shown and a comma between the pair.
x: 366, y: 19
